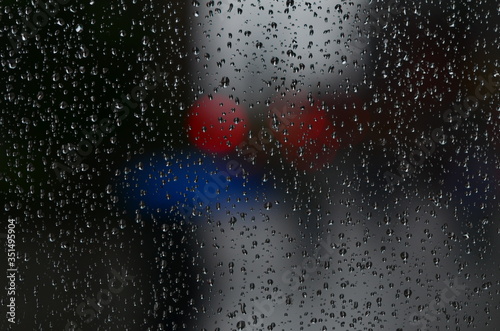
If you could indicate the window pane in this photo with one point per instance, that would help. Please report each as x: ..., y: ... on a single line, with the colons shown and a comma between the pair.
x: 250, y: 165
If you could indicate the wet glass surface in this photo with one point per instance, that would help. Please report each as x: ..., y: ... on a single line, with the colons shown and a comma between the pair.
x: 250, y: 165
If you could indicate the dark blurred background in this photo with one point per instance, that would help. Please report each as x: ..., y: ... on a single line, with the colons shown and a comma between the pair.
x: 113, y: 212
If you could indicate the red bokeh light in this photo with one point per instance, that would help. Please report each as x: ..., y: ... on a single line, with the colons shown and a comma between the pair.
x: 305, y: 132
x: 216, y: 124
